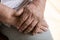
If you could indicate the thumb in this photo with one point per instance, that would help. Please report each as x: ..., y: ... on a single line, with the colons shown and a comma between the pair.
x: 19, y: 12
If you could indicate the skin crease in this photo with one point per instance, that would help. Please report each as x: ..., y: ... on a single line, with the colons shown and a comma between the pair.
x: 21, y: 19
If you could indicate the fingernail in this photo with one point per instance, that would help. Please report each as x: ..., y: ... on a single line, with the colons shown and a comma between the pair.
x: 46, y: 29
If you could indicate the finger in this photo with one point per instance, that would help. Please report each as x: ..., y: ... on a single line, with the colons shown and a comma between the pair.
x: 31, y: 26
x: 37, y: 29
x: 44, y: 23
x: 18, y: 13
x: 26, y: 23
x: 43, y: 28
x: 22, y: 19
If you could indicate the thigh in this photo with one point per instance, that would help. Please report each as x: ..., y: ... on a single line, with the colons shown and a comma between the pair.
x: 14, y: 34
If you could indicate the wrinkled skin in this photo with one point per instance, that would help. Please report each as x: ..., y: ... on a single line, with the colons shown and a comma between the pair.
x: 38, y: 25
x: 28, y: 19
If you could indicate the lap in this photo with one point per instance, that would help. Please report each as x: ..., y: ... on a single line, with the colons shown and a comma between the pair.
x: 13, y: 34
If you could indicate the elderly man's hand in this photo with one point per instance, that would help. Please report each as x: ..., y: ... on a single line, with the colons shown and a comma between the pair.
x: 35, y: 22
x: 37, y: 8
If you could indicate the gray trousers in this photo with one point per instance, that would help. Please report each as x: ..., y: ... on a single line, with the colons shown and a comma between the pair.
x: 13, y: 34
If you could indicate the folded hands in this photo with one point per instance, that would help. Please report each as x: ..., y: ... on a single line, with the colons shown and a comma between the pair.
x: 27, y: 20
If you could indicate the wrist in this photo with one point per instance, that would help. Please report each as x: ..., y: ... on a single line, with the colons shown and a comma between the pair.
x: 6, y: 14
